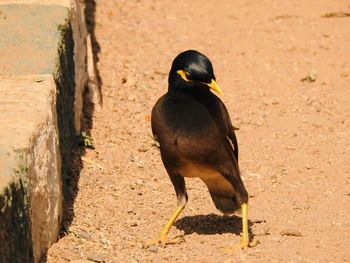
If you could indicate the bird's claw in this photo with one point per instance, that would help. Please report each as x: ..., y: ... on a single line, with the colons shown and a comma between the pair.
x: 243, y: 244
x: 163, y: 240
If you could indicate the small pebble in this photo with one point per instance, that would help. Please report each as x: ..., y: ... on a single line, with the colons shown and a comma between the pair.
x: 131, y: 98
x: 153, y: 249
x: 139, y: 182
x: 142, y: 148
x: 82, y: 234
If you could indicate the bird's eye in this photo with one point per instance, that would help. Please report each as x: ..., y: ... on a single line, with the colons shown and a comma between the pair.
x: 184, y: 75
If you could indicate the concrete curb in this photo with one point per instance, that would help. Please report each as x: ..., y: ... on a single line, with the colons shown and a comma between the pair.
x: 43, y: 72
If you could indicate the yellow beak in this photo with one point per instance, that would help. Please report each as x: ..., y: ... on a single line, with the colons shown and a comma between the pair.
x: 214, y: 86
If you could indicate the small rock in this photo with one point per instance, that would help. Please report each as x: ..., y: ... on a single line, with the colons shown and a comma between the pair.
x: 131, y: 98
x: 131, y: 244
x: 153, y: 249
x: 275, y: 102
x: 142, y: 148
x: 311, y: 77
x: 135, y: 223
x: 103, y: 239
x: 96, y: 258
x: 139, y: 182
x: 82, y: 234
x: 131, y: 81
x: 140, y: 164
x: 266, y: 101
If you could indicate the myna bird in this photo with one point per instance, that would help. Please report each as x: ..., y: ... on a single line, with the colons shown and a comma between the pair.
x: 197, y: 139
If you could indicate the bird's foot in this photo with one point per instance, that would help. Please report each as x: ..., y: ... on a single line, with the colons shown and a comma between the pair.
x: 163, y: 240
x: 243, y: 244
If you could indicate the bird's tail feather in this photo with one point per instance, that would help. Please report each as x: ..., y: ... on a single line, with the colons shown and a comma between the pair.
x: 226, y: 205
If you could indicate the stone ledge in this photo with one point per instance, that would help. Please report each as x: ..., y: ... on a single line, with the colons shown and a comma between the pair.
x: 42, y: 76
x: 29, y: 147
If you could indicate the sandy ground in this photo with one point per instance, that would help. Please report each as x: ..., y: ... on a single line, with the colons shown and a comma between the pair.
x: 294, y: 135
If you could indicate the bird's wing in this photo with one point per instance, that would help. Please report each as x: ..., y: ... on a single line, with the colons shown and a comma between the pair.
x: 155, y: 118
x: 229, y: 129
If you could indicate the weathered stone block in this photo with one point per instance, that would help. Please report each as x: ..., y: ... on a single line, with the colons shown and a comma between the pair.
x: 30, y: 182
x: 42, y: 75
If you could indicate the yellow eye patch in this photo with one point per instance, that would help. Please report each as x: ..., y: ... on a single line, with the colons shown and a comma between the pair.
x: 183, y: 75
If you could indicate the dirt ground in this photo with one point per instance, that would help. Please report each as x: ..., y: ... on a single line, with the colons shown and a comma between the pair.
x: 293, y: 135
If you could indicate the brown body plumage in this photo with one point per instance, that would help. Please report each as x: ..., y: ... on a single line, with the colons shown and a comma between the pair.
x: 197, y: 139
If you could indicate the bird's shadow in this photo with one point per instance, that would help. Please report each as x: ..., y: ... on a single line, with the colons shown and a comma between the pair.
x: 210, y: 224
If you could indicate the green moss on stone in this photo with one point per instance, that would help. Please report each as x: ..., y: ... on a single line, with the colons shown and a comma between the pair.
x: 15, y: 222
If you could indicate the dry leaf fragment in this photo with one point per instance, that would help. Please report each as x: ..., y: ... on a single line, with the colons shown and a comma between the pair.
x: 291, y: 232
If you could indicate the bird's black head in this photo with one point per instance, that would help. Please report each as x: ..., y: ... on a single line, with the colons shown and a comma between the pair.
x: 192, y: 69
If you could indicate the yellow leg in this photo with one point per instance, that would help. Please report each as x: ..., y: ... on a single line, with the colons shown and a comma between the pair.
x: 245, y: 235
x: 162, y: 239
x: 244, y: 243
